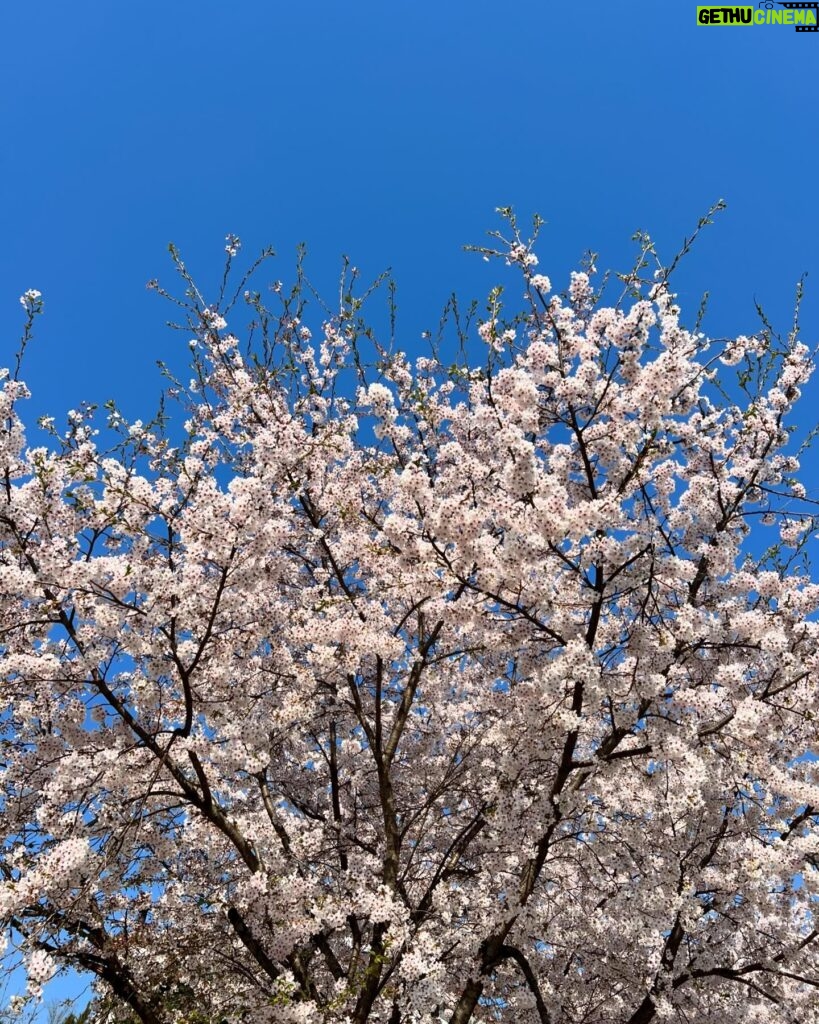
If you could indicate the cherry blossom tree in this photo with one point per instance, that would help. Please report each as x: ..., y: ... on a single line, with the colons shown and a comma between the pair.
x: 398, y: 691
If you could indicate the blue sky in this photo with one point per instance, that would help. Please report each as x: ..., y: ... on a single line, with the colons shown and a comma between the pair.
x: 388, y: 131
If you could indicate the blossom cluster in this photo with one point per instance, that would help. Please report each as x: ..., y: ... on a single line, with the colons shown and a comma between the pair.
x: 448, y: 693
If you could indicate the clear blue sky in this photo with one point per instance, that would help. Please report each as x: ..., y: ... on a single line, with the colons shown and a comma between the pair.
x: 388, y: 131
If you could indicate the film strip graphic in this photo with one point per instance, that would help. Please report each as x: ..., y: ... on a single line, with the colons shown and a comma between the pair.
x: 813, y: 6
